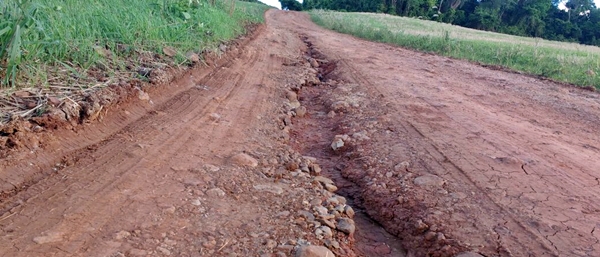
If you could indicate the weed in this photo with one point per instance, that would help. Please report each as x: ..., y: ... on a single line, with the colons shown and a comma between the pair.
x: 565, y: 62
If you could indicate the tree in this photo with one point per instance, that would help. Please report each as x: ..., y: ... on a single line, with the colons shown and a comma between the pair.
x: 291, y: 5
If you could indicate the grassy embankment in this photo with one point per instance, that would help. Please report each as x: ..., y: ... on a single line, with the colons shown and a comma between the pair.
x: 566, y: 62
x: 57, y: 42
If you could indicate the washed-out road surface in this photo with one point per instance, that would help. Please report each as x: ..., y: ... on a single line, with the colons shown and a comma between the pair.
x: 435, y: 156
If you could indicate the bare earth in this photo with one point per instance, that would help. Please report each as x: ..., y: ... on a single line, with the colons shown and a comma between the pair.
x: 448, y: 156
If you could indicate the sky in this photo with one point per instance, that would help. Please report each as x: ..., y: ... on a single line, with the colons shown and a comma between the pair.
x: 278, y: 5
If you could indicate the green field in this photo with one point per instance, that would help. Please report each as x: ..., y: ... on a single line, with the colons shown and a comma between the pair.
x: 565, y: 62
x: 44, y: 42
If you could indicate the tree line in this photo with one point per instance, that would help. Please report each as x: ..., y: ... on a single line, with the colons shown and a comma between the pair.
x: 578, y: 22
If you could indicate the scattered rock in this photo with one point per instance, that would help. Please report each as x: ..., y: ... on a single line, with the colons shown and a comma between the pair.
x: 270, y: 244
x: 403, y: 166
x: 327, y: 232
x: 122, y: 235
x: 429, y: 181
x: 340, y: 106
x: 192, y: 57
x: 143, y: 95
x: 50, y: 237
x: 300, y: 111
x: 294, y: 104
x: 71, y: 110
x: 349, y: 211
x: 211, y: 168
x: 337, y: 144
x: 323, y: 180
x: 331, y: 187
x: 243, y: 159
x: 314, y: 251
x: 346, y: 225
x: 137, y: 252
x: 144, y: 72
x: 163, y: 250
x: 269, y: 188
x: 468, y: 254
x: 214, y: 117
x: 292, y: 96
x: 215, y: 192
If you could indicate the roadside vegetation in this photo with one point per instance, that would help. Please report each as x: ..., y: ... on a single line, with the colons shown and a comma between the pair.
x: 59, y: 42
x: 566, y: 62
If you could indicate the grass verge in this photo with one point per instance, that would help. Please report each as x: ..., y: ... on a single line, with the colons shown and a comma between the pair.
x: 565, y: 62
x: 49, y: 42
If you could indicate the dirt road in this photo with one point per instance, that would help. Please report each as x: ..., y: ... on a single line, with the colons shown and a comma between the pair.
x: 446, y: 155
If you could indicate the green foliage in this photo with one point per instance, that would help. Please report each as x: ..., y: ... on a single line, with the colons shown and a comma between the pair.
x: 561, y: 61
x: 17, y: 20
x: 534, y: 18
x: 36, y: 35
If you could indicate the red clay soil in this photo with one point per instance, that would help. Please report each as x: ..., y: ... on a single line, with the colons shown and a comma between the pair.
x: 449, y: 157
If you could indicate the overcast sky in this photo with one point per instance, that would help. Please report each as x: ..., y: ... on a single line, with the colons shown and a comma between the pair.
x: 278, y: 5
x: 272, y: 3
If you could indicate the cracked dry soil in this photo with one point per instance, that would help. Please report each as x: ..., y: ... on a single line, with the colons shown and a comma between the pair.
x: 451, y: 158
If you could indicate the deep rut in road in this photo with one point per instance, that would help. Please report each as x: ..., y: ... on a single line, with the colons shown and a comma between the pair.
x: 311, y: 136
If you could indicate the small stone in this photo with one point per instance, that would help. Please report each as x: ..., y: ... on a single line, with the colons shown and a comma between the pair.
x: 210, y: 244
x: 211, y: 168
x: 389, y: 174
x: 323, y: 180
x: 327, y: 222
x: 51, y: 237
x: 269, y: 188
x: 192, y: 57
x: 214, y: 117
x: 163, y: 250
x: 243, y: 159
x: 223, y: 47
x: 429, y: 181
x: 306, y: 215
x: 349, y: 211
x: 137, y: 252
x: 337, y: 144
x: 331, y: 187
x: 346, y: 225
x: 333, y: 201
x: 314, y: 251
x: 340, y: 106
x: 321, y: 210
x: 295, y: 104
x: 327, y: 232
x: 314, y: 63
x: 196, y: 202
x: 300, y: 111
x: 143, y: 95
x: 315, y: 169
x: 122, y: 235
x: 331, y: 114
x: 280, y: 254
x: 270, y: 244
x: 292, y: 96
x: 215, y: 192
x: 403, y: 166
x: 331, y: 243
x: 468, y: 254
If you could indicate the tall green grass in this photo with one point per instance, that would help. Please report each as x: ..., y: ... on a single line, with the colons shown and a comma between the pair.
x: 565, y: 62
x: 38, y: 36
